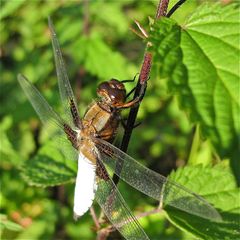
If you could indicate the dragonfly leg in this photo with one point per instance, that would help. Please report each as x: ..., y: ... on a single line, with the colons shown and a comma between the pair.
x: 130, y: 93
x: 123, y: 123
x: 130, y: 104
x: 134, y: 102
x: 137, y: 124
x: 131, y: 80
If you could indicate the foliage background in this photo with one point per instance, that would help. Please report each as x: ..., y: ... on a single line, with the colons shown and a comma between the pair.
x: 97, y: 45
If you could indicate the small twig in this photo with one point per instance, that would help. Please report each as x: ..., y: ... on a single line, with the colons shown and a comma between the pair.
x: 145, y: 214
x: 94, y: 217
x: 175, y: 7
x: 141, y: 215
x: 107, y: 230
x: 143, y: 31
x: 137, y: 33
x: 104, y: 233
x: 142, y: 34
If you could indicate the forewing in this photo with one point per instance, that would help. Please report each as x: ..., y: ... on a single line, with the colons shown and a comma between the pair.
x: 41, y: 106
x: 69, y: 103
x: 154, y: 184
x: 116, y: 209
x: 49, y: 117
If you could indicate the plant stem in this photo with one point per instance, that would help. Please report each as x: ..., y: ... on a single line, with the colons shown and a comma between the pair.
x: 105, y: 232
x: 162, y: 9
x: 175, y: 7
x: 94, y: 217
x: 140, y: 88
x: 139, y: 91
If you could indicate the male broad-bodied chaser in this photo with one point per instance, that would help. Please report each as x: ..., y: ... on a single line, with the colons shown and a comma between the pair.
x: 91, y: 138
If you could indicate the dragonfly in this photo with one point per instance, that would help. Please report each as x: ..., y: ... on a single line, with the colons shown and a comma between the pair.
x: 91, y: 137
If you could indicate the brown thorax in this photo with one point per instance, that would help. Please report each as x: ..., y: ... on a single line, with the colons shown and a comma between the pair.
x: 102, y: 119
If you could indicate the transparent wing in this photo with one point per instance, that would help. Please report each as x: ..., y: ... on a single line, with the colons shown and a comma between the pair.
x: 49, y: 117
x: 66, y: 93
x: 117, y: 211
x: 154, y: 184
x: 41, y: 106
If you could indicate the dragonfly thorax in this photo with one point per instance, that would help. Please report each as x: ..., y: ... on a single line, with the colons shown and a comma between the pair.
x: 87, y: 131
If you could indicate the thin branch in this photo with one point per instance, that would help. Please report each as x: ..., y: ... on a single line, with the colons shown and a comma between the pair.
x: 148, y: 213
x: 142, y: 30
x: 137, y: 33
x: 94, y: 217
x: 104, y: 232
x: 142, y: 82
x: 139, y: 92
x: 140, y: 89
x: 141, y: 215
x: 175, y: 7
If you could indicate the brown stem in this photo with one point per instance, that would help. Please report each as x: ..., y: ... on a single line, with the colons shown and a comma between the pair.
x: 140, y: 89
x: 94, y: 217
x: 162, y: 9
x: 102, y: 235
x: 141, y: 215
x: 145, y: 214
x: 139, y: 92
x: 142, y: 82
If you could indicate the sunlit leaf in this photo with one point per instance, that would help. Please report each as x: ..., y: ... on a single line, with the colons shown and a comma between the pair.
x: 5, y: 223
x: 200, y: 60
x: 8, y: 7
x: 217, y: 186
x: 49, y: 167
x: 101, y: 61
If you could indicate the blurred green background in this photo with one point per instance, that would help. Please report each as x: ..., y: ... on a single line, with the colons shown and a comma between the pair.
x: 97, y: 45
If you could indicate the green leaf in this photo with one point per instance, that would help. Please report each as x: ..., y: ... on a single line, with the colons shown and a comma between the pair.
x: 201, y: 152
x: 112, y: 15
x: 5, y: 223
x: 97, y: 55
x: 218, y: 187
x: 7, y: 152
x: 9, y: 7
x: 50, y: 167
x: 35, y: 230
x: 201, y: 61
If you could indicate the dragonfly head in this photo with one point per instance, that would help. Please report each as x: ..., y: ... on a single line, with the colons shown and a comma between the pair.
x: 113, y: 92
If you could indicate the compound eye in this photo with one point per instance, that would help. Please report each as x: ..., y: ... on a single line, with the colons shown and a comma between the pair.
x: 114, y: 83
x: 113, y: 97
x: 103, y: 86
